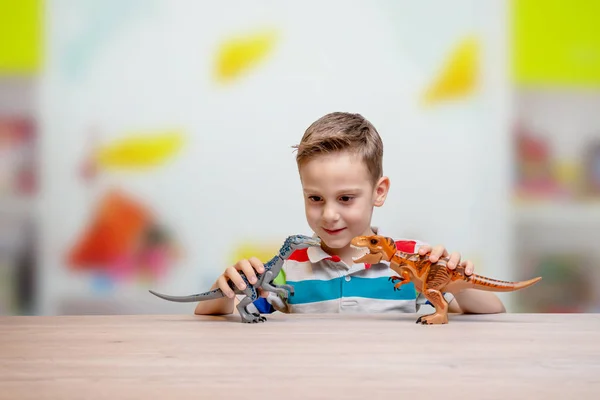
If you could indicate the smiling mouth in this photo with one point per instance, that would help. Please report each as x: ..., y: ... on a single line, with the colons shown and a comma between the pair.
x: 333, y: 231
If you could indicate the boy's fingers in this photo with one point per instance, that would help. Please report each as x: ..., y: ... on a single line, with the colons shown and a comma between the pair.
x: 247, y: 269
x: 436, y: 253
x: 222, y: 284
x: 454, y: 260
x: 263, y: 293
x: 257, y: 265
x: 469, y: 267
x: 424, y: 249
x: 236, y: 278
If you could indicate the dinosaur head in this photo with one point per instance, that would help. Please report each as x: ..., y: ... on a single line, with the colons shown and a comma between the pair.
x: 377, y: 248
x: 297, y: 242
x: 302, y: 242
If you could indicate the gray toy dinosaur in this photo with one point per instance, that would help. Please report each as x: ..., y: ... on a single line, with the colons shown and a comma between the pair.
x: 264, y: 281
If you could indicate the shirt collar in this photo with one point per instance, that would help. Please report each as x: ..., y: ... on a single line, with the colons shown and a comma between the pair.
x: 316, y: 254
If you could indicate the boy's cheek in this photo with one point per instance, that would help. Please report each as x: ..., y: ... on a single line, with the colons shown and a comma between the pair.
x: 312, y: 221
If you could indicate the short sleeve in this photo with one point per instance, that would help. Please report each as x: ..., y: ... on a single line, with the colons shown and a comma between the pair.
x: 277, y: 303
x: 263, y: 306
x: 268, y: 305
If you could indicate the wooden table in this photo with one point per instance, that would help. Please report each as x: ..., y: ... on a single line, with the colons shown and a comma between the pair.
x: 506, y: 356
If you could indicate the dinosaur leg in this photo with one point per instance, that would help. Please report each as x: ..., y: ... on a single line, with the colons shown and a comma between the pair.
x: 248, y: 317
x: 278, y: 289
x: 275, y: 289
x: 404, y: 278
x: 288, y: 288
x: 440, y: 316
x: 436, y: 278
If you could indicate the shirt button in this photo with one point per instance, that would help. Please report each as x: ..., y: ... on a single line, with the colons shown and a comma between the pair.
x: 348, y: 278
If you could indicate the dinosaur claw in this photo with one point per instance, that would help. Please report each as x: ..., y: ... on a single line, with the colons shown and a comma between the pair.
x: 257, y: 318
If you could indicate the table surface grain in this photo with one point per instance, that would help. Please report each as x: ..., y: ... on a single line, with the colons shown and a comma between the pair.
x: 300, y: 356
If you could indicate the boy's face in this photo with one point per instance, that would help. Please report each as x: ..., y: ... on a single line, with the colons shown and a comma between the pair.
x: 339, y: 197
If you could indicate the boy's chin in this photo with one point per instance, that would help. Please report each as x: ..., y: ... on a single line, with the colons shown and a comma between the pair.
x: 335, y: 243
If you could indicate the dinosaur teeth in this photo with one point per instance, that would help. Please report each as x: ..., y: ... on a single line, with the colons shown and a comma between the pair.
x: 363, y: 250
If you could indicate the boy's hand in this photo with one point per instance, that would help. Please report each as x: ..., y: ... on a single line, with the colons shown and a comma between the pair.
x: 440, y: 251
x: 249, y: 268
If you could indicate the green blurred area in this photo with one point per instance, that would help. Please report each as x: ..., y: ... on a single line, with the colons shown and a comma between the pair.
x: 21, y: 38
x: 555, y: 43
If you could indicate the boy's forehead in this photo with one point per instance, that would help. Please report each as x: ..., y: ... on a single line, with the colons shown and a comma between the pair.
x: 334, y: 170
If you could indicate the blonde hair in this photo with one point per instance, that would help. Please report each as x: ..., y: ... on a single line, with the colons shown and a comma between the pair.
x: 341, y: 131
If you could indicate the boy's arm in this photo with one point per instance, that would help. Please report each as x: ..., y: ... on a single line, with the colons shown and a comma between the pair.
x: 220, y: 306
x: 474, y: 301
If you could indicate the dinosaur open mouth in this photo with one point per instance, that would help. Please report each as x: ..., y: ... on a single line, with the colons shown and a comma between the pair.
x: 366, y: 256
x: 316, y: 242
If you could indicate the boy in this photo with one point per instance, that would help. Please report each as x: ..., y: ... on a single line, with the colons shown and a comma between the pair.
x: 340, y: 165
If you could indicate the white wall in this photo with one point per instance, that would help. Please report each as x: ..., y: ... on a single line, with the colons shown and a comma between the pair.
x: 122, y: 66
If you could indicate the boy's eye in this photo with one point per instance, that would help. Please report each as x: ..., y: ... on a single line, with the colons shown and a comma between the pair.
x: 314, y: 198
x: 346, y: 198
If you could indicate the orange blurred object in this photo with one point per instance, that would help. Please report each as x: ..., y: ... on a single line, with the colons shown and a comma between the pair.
x: 115, y: 231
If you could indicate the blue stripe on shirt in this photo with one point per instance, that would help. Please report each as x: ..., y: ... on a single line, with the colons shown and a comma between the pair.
x: 310, y: 291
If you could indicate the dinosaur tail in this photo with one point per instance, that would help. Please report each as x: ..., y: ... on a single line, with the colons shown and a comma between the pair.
x: 495, y: 285
x: 213, y: 294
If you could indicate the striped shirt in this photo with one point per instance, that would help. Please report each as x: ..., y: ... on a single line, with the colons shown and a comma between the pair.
x: 325, y: 284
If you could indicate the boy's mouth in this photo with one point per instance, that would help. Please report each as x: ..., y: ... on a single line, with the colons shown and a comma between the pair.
x: 333, y: 231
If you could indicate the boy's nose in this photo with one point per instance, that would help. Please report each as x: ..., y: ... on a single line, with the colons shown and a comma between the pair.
x: 330, y: 214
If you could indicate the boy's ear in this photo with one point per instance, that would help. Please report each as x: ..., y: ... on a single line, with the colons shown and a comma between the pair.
x: 381, y: 190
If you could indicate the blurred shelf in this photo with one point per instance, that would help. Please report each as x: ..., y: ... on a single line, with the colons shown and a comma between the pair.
x: 17, y: 205
x: 557, y: 213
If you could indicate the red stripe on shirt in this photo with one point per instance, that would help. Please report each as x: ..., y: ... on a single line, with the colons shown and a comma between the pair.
x: 407, y: 246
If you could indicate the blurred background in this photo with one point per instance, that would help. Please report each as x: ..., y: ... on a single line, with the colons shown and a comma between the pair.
x: 146, y: 144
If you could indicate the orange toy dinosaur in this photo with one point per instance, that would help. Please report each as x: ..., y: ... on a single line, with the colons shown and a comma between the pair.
x: 429, y: 278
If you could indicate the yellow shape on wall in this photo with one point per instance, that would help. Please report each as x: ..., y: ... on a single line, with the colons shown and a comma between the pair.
x: 140, y: 150
x: 264, y: 251
x: 556, y: 42
x: 239, y: 54
x: 459, y: 74
x: 20, y: 40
